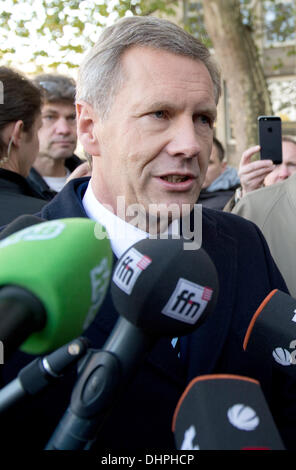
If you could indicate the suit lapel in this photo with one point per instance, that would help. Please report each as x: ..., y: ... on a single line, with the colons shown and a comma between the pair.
x: 163, y: 356
x: 68, y: 202
x: 203, y: 348
x: 200, y: 350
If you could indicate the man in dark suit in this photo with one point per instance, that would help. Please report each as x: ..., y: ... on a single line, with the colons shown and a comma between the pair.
x: 146, y: 103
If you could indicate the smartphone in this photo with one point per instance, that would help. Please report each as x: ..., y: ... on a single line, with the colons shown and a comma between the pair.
x: 270, y: 138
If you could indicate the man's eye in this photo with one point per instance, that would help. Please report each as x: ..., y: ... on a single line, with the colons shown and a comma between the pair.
x: 205, y: 119
x: 48, y: 118
x: 160, y: 114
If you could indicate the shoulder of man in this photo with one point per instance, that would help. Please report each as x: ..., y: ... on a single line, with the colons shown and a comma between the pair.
x: 38, y: 183
x: 224, y: 220
x: 221, y: 227
x: 257, y: 205
x: 73, y: 162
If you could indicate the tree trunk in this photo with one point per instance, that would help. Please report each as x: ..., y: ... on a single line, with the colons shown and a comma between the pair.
x: 237, y: 57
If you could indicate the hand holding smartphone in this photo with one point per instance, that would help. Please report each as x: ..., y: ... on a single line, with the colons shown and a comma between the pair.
x: 270, y: 138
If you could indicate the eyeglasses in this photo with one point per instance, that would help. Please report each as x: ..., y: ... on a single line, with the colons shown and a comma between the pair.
x: 49, y: 86
x: 53, y: 87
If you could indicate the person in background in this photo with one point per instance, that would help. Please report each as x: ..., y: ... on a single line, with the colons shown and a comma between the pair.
x: 58, y: 137
x: 261, y: 173
x: 221, y: 180
x: 273, y: 210
x: 20, y: 121
x: 147, y: 96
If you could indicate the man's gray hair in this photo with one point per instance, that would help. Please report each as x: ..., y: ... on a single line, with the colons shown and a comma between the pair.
x: 100, y: 74
x: 56, y: 87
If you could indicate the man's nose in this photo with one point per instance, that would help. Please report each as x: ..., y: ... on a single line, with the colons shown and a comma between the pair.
x: 184, y: 140
x: 284, y: 172
x: 63, y: 126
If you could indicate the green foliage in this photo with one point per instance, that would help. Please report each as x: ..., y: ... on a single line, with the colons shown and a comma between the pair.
x: 69, y: 28
x: 194, y: 21
x: 280, y: 21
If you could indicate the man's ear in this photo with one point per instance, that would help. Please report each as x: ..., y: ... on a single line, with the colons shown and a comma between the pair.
x: 224, y: 166
x: 86, y: 119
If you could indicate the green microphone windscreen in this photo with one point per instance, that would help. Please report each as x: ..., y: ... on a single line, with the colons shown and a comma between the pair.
x: 66, y: 267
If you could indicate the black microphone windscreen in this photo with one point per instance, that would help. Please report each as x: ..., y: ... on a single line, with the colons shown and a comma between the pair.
x: 224, y: 412
x: 272, y: 331
x: 162, y: 288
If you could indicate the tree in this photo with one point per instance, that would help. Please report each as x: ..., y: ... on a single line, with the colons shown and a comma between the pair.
x: 51, y: 33
x: 55, y: 33
x: 241, y: 68
x: 234, y: 28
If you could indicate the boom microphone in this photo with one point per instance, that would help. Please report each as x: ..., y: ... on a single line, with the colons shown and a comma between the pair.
x: 53, y: 278
x: 159, y: 289
x: 224, y: 412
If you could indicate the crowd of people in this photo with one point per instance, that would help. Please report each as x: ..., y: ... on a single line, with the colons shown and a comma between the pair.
x: 146, y: 99
x: 38, y: 141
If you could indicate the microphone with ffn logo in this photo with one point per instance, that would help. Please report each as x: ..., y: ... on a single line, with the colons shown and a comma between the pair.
x: 159, y: 290
x: 160, y: 287
x: 224, y: 412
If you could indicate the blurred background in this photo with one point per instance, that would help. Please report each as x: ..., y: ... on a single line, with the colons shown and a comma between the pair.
x: 253, y: 41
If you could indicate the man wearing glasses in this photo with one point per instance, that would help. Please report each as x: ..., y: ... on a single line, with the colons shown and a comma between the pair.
x: 57, y: 137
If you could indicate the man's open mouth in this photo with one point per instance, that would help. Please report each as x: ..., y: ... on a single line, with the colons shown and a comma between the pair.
x: 175, y: 178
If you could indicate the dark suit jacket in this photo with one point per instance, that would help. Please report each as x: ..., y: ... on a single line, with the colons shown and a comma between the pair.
x: 216, y: 199
x: 142, y: 417
x: 17, y: 197
x: 39, y: 184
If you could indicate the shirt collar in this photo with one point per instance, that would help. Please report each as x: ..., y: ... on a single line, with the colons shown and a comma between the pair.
x: 122, y: 235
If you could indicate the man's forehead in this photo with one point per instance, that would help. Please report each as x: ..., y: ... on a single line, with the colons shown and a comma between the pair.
x: 289, y: 151
x: 58, y: 106
x: 139, y: 58
x: 160, y: 71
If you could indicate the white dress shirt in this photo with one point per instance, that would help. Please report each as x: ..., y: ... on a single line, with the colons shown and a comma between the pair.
x: 122, y: 235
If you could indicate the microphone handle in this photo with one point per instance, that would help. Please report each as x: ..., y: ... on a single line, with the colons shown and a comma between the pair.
x: 91, y: 399
x: 21, y: 314
x: 10, y: 394
x: 41, y: 372
x: 101, y: 381
x: 129, y: 343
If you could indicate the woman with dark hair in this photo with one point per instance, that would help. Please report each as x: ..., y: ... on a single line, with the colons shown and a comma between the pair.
x: 20, y: 120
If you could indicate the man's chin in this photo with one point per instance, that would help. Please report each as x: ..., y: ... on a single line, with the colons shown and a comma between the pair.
x: 63, y: 154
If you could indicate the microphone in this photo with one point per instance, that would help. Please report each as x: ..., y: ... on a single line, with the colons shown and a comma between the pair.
x: 41, y: 372
x: 224, y: 412
x: 270, y: 342
x: 159, y: 289
x: 272, y: 331
x: 53, y: 278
